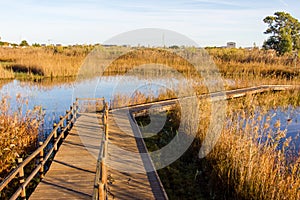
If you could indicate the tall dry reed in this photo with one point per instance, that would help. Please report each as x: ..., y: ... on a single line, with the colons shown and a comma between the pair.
x: 18, y: 132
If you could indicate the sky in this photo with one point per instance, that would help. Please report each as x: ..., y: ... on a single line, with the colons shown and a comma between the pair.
x: 207, y: 22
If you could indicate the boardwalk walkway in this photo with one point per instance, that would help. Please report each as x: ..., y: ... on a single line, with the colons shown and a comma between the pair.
x: 128, y: 178
x: 131, y: 173
x: 72, y: 172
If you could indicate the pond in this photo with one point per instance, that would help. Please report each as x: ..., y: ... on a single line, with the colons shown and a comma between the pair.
x: 56, y: 96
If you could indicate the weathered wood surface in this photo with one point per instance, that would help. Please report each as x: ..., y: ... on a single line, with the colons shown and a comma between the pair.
x: 127, y: 177
x: 72, y: 172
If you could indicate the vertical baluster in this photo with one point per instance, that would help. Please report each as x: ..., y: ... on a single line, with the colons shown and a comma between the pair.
x: 41, y: 161
x: 67, y: 121
x: 62, y: 127
x: 22, y: 179
x: 55, y: 137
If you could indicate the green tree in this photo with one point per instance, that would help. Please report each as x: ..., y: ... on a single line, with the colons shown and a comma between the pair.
x: 24, y: 43
x: 36, y: 45
x: 285, y: 33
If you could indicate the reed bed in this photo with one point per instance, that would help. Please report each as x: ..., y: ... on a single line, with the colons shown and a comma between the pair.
x: 255, y: 67
x: 253, y: 158
x: 241, y: 66
x: 44, y: 61
x: 247, y: 162
x: 5, y: 74
x: 18, y: 133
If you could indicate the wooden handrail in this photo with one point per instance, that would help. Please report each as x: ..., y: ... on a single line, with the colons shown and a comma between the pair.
x: 70, y: 118
x: 100, y: 183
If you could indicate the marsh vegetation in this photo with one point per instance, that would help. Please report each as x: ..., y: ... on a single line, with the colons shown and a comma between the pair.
x: 253, y: 159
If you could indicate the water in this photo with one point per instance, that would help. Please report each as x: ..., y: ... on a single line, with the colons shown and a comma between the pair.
x: 57, y: 96
x: 290, y: 121
x: 55, y: 99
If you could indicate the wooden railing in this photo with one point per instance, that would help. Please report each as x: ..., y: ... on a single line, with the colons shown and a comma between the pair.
x: 100, y: 184
x: 57, y: 135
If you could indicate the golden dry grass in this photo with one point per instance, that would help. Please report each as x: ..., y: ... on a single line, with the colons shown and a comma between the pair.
x: 44, y: 61
x: 256, y: 67
x: 18, y: 133
x: 244, y: 67
x: 5, y: 74
x: 253, y: 159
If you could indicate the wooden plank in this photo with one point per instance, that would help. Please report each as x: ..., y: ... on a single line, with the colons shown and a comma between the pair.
x: 72, y: 172
x: 128, y: 178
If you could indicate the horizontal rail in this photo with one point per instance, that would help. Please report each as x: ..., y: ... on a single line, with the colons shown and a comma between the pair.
x: 70, y: 118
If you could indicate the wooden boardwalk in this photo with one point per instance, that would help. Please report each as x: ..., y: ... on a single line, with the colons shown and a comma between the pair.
x: 127, y: 175
x: 72, y: 172
x: 130, y: 171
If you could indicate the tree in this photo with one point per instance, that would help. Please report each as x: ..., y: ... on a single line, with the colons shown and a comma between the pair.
x: 24, y: 43
x: 285, y: 31
x: 36, y: 45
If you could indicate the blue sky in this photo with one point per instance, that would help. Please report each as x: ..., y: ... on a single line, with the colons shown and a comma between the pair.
x: 208, y: 22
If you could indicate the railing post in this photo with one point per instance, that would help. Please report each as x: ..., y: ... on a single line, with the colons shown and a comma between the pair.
x: 103, y: 180
x: 71, y: 109
x: 55, y: 137
x: 104, y: 119
x: 62, y: 128
x: 22, y: 179
x: 67, y: 121
x: 41, y: 161
x: 106, y: 131
x: 75, y: 108
x: 101, y: 191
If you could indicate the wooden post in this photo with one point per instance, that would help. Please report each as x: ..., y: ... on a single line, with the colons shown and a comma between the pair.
x: 101, y: 191
x: 103, y: 172
x: 71, y: 109
x: 106, y: 108
x: 41, y: 161
x: 55, y: 137
x: 74, y: 110
x: 62, y: 128
x: 106, y: 131
x: 22, y: 179
x: 67, y: 120
x: 104, y: 119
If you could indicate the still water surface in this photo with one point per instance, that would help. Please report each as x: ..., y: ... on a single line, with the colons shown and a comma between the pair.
x: 56, y: 98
